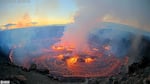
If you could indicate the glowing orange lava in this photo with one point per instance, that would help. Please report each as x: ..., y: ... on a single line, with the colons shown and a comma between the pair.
x: 60, y: 57
x: 63, y: 60
x: 88, y: 60
x: 72, y: 60
x: 65, y: 46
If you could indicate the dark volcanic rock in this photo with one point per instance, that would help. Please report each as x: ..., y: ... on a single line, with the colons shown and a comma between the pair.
x: 43, y: 71
x: 133, y: 68
x: 33, y: 67
x: 20, y: 77
x: 3, y: 56
x: 93, y: 81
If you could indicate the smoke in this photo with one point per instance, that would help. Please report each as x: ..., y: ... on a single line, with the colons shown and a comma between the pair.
x: 134, y: 51
x: 24, y: 21
x: 92, y: 13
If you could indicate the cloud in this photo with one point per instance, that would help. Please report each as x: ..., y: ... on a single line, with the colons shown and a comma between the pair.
x: 34, y: 23
x: 24, y: 21
x: 7, y: 26
x: 124, y: 10
x: 92, y: 12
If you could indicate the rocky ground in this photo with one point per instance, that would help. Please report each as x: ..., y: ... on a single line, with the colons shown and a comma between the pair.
x: 19, y: 75
x: 139, y: 77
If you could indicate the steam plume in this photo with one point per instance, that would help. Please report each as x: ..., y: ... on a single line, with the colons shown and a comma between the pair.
x: 91, y: 13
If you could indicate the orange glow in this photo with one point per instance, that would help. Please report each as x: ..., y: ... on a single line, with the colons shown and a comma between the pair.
x: 25, y: 21
x: 72, y: 60
x: 60, y: 57
x: 58, y: 47
x: 48, y: 21
x: 65, y: 46
x: 89, y: 60
x: 89, y: 63
x: 70, y: 47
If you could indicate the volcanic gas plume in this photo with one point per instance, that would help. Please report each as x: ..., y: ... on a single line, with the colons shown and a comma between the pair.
x: 73, y: 55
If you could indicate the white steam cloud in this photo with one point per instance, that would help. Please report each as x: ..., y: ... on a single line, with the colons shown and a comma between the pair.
x: 92, y: 12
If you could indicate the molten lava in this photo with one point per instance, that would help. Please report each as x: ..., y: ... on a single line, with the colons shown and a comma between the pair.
x: 63, y: 60
x: 72, y: 60
x: 60, y: 57
x: 88, y: 60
